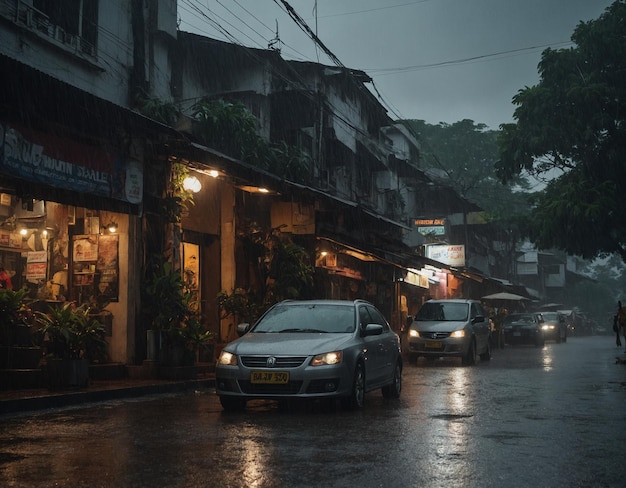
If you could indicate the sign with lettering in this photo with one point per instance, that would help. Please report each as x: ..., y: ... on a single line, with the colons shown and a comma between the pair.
x: 452, y: 255
x: 431, y: 226
x: 62, y: 163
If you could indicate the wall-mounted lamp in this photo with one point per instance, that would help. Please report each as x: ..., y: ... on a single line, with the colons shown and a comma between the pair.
x: 24, y: 231
x: 192, y: 184
x: 112, y: 227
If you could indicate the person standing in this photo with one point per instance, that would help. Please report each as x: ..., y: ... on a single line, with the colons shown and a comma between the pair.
x: 5, y: 279
x: 621, y: 319
x: 616, y: 329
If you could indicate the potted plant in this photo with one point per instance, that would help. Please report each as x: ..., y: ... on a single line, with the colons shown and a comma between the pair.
x: 72, y: 337
x: 171, y: 313
x: 20, y: 354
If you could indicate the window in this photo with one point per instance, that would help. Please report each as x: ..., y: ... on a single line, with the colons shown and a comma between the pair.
x: 76, y: 21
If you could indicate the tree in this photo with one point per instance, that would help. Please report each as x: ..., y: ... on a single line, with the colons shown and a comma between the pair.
x: 574, y: 122
x: 464, y: 154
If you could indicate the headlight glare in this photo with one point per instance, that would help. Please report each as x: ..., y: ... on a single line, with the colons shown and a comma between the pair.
x: 227, y: 358
x: 328, y: 358
x: 458, y: 333
x: 413, y: 333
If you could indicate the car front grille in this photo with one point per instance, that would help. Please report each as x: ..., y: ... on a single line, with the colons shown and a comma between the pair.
x: 281, y: 361
x: 434, y: 335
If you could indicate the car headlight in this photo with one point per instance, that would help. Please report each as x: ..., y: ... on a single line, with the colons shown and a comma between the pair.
x: 413, y: 333
x: 547, y: 327
x: 227, y: 358
x: 458, y: 333
x: 334, y: 357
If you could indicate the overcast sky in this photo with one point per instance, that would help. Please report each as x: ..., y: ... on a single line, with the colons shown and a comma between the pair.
x: 435, y: 60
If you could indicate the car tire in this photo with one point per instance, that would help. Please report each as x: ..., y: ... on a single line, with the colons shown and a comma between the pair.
x: 356, y: 399
x: 232, y: 404
x: 486, y: 356
x: 393, y: 389
x: 470, y: 357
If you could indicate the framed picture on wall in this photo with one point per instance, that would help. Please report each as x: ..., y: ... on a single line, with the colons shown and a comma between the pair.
x: 108, y: 267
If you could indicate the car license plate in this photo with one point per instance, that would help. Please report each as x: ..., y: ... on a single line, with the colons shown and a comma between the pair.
x: 433, y: 345
x: 269, y: 377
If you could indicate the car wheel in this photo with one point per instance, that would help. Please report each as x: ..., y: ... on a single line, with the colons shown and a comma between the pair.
x: 393, y: 389
x: 232, y: 404
x: 486, y: 356
x: 470, y: 358
x: 357, y: 395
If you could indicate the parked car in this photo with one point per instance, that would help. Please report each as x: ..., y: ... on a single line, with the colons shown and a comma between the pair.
x: 523, y: 328
x: 554, y: 327
x: 455, y: 327
x: 311, y: 349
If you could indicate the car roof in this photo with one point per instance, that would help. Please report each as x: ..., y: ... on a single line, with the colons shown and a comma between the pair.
x: 323, y: 301
x: 452, y: 300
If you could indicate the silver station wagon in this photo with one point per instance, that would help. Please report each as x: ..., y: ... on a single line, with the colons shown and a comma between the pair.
x: 454, y: 327
x: 336, y: 349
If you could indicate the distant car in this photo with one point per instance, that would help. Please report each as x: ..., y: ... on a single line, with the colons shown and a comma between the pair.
x: 311, y: 349
x: 523, y: 328
x: 450, y: 328
x: 554, y: 327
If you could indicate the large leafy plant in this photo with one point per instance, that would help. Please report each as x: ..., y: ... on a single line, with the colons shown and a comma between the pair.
x: 171, y: 310
x: 72, y: 332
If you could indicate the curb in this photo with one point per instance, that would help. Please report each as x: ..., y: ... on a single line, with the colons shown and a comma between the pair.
x: 66, y: 399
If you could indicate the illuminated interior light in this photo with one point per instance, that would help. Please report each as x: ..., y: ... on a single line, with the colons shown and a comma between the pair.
x: 192, y: 184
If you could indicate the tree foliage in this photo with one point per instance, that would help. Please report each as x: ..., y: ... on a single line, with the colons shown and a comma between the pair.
x: 464, y: 154
x: 574, y: 122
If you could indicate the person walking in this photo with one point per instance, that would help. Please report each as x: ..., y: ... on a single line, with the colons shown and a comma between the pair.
x: 616, y: 329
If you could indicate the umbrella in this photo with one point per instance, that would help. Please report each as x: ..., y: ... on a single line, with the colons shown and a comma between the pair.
x: 505, y: 296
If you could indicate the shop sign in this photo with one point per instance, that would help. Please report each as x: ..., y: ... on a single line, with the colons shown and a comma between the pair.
x: 452, y: 255
x: 431, y: 226
x: 36, y: 266
x: 10, y: 239
x: 416, y: 279
x: 66, y: 164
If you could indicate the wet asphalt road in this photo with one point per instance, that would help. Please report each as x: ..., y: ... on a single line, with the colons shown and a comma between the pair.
x: 553, y: 417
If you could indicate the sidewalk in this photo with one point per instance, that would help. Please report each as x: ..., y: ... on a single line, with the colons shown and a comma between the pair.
x: 18, y: 401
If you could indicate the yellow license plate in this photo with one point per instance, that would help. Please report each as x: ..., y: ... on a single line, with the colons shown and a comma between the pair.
x: 433, y: 345
x: 269, y: 377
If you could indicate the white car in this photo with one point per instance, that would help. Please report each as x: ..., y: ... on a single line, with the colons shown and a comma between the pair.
x: 311, y: 349
x: 455, y: 327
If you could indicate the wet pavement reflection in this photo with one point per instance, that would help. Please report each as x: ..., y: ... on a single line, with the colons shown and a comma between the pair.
x: 551, y: 416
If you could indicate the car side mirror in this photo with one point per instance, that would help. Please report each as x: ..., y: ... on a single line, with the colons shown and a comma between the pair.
x: 372, y: 330
x: 243, y: 328
x: 478, y: 319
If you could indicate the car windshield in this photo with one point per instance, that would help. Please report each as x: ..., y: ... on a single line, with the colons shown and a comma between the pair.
x: 521, y: 318
x: 443, y: 311
x: 308, y: 317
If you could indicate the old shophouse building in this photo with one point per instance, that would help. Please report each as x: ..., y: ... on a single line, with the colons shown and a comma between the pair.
x: 83, y: 172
